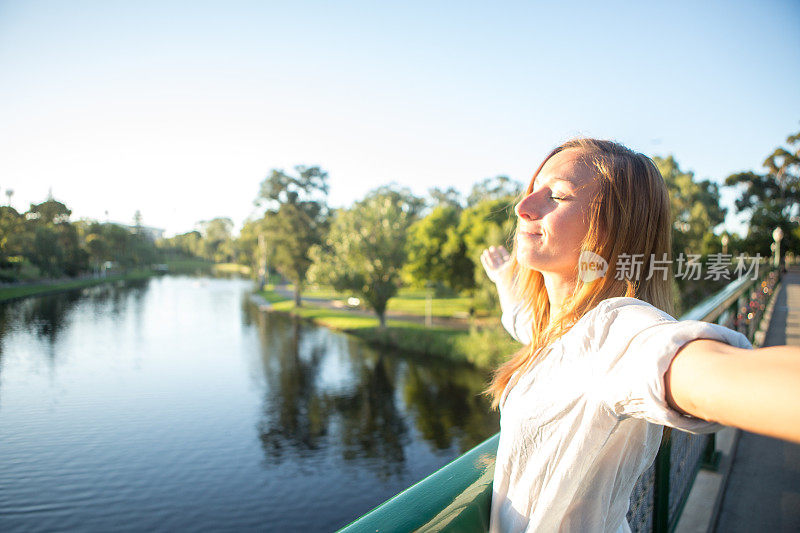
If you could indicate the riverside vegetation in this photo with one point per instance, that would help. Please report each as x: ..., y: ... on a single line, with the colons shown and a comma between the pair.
x: 480, y: 341
x: 389, y: 241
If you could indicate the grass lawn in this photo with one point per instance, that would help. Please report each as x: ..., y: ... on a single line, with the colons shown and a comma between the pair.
x: 483, y: 348
x: 273, y: 297
x: 338, y: 319
x: 322, y: 292
x: 12, y: 293
x: 411, y: 301
x: 231, y: 268
x: 417, y: 305
x: 188, y: 266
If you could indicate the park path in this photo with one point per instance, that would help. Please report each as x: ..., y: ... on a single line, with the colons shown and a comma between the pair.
x: 763, y: 489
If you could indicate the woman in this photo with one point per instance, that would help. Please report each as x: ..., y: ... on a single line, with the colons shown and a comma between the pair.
x: 606, y: 366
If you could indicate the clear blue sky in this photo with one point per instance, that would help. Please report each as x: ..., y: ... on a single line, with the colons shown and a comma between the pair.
x: 180, y: 109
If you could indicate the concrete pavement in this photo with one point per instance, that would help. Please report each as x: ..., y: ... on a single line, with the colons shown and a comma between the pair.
x: 763, y: 489
x: 757, y: 485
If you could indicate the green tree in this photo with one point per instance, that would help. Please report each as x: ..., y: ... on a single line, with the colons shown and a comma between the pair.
x: 96, y: 245
x: 695, y: 206
x: 51, y: 242
x: 436, y: 254
x: 249, y: 251
x: 185, y: 245
x: 47, y: 243
x: 118, y: 241
x: 49, y: 212
x: 11, y: 230
x: 771, y: 198
x: 43, y: 250
x: 487, y: 223
x: 217, y: 241
x: 75, y: 260
x: 366, y: 247
x: 296, y: 219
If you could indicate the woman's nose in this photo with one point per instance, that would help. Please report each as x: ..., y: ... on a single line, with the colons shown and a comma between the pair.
x: 527, y: 208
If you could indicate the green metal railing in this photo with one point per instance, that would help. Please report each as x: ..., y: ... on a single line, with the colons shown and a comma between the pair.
x: 457, y: 497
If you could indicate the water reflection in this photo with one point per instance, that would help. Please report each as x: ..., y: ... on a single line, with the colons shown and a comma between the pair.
x: 332, y: 391
x: 372, y: 424
x: 176, y: 401
x: 448, y: 405
x: 294, y: 414
x: 46, y: 316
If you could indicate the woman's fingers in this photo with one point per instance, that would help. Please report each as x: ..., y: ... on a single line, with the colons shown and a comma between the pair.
x: 503, y: 254
x: 490, y: 259
x: 498, y: 255
x: 494, y: 259
x: 486, y: 261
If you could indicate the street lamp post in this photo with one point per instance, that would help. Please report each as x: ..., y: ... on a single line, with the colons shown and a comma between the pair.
x: 777, y: 235
x: 725, y: 241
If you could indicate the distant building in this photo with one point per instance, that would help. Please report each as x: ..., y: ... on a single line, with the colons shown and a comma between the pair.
x: 151, y: 233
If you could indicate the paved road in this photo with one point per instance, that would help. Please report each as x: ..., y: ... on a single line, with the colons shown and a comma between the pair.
x: 763, y: 492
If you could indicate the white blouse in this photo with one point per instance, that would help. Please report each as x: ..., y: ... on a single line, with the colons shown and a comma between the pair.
x: 585, y: 421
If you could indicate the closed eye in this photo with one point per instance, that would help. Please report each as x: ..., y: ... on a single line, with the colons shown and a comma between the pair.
x: 552, y: 197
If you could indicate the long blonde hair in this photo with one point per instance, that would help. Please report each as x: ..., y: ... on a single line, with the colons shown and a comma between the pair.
x: 630, y: 214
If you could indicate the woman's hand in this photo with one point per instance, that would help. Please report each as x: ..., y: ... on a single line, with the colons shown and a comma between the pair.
x: 496, y: 262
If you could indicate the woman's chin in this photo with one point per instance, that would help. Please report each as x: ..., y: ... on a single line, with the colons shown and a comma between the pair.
x: 529, y: 261
x: 534, y: 261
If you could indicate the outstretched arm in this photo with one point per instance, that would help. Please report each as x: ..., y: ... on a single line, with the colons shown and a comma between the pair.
x: 756, y: 390
x: 496, y: 262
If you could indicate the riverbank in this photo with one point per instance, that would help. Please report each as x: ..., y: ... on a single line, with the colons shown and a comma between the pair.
x: 202, y: 266
x: 483, y: 345
x: 55, y: 286
x: 190, y: 267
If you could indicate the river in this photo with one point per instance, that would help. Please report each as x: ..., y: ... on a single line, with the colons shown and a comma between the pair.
x: 176, y: 404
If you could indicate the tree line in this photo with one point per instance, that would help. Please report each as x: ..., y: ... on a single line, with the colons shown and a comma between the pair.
x: 42, y: 242
x: 390, y: 237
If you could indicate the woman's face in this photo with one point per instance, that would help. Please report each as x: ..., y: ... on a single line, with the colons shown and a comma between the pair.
x: 553, y: 218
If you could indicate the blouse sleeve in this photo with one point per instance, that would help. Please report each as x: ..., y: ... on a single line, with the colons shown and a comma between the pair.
x: 640, y: 343
x: 515, y: 318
